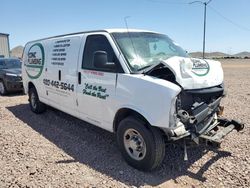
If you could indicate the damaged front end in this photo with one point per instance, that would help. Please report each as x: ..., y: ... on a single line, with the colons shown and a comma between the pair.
x: 196, y: 113
x: 198, y: 116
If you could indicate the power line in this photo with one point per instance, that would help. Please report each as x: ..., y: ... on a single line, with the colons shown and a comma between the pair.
x: 213, y: 9
x: 168, y: 2
x: 205, y: 17
x: 227, y: 19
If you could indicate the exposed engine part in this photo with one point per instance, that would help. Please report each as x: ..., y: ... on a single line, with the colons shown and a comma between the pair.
x: 183, y: 115
x: 163, y: 73
x: 192, y: 120
x: 189, y: 100
x: 180, y: 129
x: 169, y: 133
x: 185, y: 118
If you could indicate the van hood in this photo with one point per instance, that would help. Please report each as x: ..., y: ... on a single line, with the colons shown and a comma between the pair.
x: 193, y: 73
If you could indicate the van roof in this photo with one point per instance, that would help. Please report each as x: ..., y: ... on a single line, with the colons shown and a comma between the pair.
x: 121, y: 30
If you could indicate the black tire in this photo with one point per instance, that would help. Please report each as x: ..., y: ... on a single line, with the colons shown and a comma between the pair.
x: 3, y: 90
x: 36, y: 105
x: 153, y: 139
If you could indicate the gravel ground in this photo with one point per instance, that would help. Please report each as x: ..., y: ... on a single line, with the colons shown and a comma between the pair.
x: 58, y: 150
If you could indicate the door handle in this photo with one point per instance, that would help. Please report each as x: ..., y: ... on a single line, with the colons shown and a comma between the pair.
x: 59, y: 75
x: 79, y: 78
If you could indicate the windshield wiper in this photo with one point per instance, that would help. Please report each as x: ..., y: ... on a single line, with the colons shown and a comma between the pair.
x: 143, y: 68
x: 148, y: 69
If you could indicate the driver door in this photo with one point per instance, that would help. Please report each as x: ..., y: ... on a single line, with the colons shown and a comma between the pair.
x: 96, y: 91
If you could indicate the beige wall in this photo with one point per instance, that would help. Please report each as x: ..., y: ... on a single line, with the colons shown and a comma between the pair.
x: 4, y: 45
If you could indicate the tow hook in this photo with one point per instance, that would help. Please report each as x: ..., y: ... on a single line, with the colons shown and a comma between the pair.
x: 237, y: 125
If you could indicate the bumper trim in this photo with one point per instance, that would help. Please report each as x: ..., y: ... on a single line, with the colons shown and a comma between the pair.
x: 226, y: 127
x: 14, y: 86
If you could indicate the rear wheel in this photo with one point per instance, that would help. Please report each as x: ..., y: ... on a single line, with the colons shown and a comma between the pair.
x: 35, y: 104
x: 142, y: 147
x: 3, y: 90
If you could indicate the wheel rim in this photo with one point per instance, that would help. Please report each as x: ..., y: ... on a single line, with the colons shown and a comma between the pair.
x: 134, y: 144
x: 33, y: 100
x: 1, y: 88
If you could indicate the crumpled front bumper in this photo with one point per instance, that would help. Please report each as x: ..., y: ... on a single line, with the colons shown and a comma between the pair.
x: 204, y: 125
x: 216, y: 134
x: 198, y: 117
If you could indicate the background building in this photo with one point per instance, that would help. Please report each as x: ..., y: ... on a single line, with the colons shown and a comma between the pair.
x: 4, y: 45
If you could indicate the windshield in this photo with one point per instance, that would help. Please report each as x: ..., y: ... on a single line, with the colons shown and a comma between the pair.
x: 143, y: 49
x: 9, y: 63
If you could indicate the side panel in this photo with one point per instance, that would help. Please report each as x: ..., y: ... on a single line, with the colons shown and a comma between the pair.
x: 96, y: 96
x: 33, y: 67
x: 96, y: 92
x: 151, y: 97
x: 60, y: 79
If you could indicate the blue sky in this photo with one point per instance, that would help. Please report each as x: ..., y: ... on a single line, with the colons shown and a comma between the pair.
x: 28, y: 20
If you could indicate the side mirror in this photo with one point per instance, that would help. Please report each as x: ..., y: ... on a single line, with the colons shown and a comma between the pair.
x: 101, y: 61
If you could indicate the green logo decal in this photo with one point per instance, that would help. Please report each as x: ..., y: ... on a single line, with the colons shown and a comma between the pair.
x: 34, y: 67
x: 200, y: 67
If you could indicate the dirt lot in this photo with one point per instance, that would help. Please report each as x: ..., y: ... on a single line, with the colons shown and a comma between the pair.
x: 57, y: 150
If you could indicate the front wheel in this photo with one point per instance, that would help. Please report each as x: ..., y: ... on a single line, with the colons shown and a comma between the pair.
x: 3, y: 90
x: 35, y: 104
x: 142, y: 147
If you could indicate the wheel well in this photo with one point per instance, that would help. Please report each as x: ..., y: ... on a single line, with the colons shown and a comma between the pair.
x: 30, y: 85
x: 125, y: 112
x: 2, y: 80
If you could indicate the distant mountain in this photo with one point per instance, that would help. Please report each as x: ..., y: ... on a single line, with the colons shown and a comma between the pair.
x: 242, y: 54
x: 195, y: 54
x: 219, y: 55
x: 209, y: 55
x: 17, y: 52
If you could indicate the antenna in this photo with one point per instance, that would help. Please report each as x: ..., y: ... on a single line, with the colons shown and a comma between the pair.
x: 125, y: 20
x: 126, y: 23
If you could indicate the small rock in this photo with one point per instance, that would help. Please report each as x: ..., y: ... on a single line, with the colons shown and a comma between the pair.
x: 121, y: 172
x: 32, y: 173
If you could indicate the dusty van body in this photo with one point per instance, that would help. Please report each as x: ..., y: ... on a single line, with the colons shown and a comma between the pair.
x: 138, y: 84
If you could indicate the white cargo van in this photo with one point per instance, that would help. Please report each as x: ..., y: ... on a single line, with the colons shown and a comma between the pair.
x: 138, y: 84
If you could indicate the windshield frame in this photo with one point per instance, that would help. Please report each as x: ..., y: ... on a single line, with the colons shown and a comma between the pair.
x: 131, y: 68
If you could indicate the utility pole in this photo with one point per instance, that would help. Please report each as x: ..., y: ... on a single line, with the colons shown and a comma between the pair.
x: 205, y: 17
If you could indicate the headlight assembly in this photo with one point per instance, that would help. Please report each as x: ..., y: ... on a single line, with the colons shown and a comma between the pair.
x: 12, y: 77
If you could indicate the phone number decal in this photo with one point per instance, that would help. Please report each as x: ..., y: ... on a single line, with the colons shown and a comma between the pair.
x: 59, y: 84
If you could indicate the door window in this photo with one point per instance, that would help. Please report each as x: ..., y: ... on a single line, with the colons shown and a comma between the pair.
x: 99, y: 43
